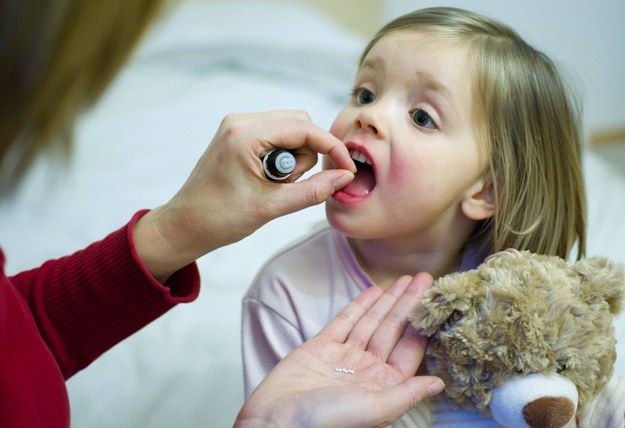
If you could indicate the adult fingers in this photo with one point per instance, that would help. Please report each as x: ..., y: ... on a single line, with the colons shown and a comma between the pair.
x: 410, y: 350
x: 399, y: 399
x: 295, y: 131
x: 392, y: 336
x: 340, y: 327
x: 389, y: 403
x: 312, y: 191
x: 378, y: 315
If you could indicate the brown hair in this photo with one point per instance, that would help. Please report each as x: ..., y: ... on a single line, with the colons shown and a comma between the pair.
x: 530, y: 129
x: 56, y: 59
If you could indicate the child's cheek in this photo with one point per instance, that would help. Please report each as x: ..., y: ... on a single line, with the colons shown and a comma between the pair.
x: 400, y: 172
x: 338, y: 127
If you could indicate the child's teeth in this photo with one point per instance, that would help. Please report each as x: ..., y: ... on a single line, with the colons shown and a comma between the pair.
x: 357, y: 156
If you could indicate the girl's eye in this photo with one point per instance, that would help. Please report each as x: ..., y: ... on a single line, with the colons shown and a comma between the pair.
x: 363, y: 96
x: 422, y: 119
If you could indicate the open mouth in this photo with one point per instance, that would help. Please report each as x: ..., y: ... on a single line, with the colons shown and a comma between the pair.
x: 364, y: 182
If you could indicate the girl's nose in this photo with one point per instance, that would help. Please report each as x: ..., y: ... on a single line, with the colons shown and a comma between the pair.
x: 369, y: 120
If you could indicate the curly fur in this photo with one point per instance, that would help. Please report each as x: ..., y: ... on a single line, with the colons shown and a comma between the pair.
x: 522, y: 313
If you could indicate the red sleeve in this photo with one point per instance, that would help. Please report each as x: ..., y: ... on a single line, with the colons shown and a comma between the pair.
x: 85, y: 303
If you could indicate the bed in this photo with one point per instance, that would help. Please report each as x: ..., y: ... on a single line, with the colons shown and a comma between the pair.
x: 135, y: 149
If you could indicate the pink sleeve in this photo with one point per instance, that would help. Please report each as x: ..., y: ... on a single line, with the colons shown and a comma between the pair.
x: 85, y: 303
x: 266, y: 338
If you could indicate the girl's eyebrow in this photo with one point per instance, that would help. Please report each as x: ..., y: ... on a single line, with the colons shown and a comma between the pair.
x: 431, y: 84
x: 372, y: 63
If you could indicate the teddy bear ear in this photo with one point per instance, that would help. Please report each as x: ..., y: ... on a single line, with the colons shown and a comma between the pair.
x: 603, y: 280
x: 449, y: 297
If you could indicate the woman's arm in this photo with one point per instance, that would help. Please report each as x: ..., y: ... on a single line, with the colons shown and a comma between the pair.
x: 227, y: 196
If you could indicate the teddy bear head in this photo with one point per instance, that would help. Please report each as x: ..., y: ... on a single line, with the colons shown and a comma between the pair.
x: 521, y: 314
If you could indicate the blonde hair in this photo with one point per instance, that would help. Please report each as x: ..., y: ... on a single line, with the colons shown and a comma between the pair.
x: 530, y: 127
x: 56, y: 59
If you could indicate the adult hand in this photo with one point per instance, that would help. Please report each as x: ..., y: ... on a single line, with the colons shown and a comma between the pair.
x: 359, y: 371
x: 227, y: 195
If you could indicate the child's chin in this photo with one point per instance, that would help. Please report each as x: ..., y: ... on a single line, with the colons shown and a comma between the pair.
x: 334, y: 219
x: 343, y: 224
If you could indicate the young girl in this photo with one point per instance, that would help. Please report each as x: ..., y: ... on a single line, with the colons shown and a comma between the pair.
x: 466, y: 144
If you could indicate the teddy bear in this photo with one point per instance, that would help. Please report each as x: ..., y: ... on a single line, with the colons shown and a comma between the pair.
x: 524, y: 338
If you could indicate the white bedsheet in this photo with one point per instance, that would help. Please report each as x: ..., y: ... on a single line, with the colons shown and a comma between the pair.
x: 136, y: 148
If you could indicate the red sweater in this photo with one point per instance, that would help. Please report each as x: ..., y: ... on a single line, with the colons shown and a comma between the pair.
x: 56, y: 319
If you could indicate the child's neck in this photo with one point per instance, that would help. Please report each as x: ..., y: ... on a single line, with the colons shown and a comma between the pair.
x: 384, y: 263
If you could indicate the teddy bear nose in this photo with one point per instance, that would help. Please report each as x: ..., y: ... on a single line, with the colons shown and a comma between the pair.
x: 549, y: 412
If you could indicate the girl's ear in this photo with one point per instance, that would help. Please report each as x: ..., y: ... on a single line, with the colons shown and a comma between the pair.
x: 479, y: 201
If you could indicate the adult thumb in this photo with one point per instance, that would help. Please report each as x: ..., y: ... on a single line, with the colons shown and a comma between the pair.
x: 316, y: 189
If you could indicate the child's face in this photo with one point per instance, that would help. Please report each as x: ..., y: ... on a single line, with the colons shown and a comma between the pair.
x: 410, y: 117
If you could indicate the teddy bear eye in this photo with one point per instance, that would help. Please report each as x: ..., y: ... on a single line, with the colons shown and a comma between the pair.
x: 452, y: 320
x: 560, y: 366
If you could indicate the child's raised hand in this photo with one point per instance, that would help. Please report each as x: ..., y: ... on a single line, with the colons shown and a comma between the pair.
x: 358, y: 371
x: 227, y: 196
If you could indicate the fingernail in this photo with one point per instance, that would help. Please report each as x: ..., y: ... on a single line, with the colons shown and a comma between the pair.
x: 435, y: 387
x: 343, y: 180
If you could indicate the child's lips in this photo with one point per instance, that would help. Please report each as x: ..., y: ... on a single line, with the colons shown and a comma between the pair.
x: 344, y: 197
x: 365, y: 181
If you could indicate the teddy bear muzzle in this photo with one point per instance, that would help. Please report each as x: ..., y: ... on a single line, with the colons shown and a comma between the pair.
x: 535, y: 401
x: 549, y: 412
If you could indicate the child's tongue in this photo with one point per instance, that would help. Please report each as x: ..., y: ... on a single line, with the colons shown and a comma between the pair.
x: 362, y: 184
